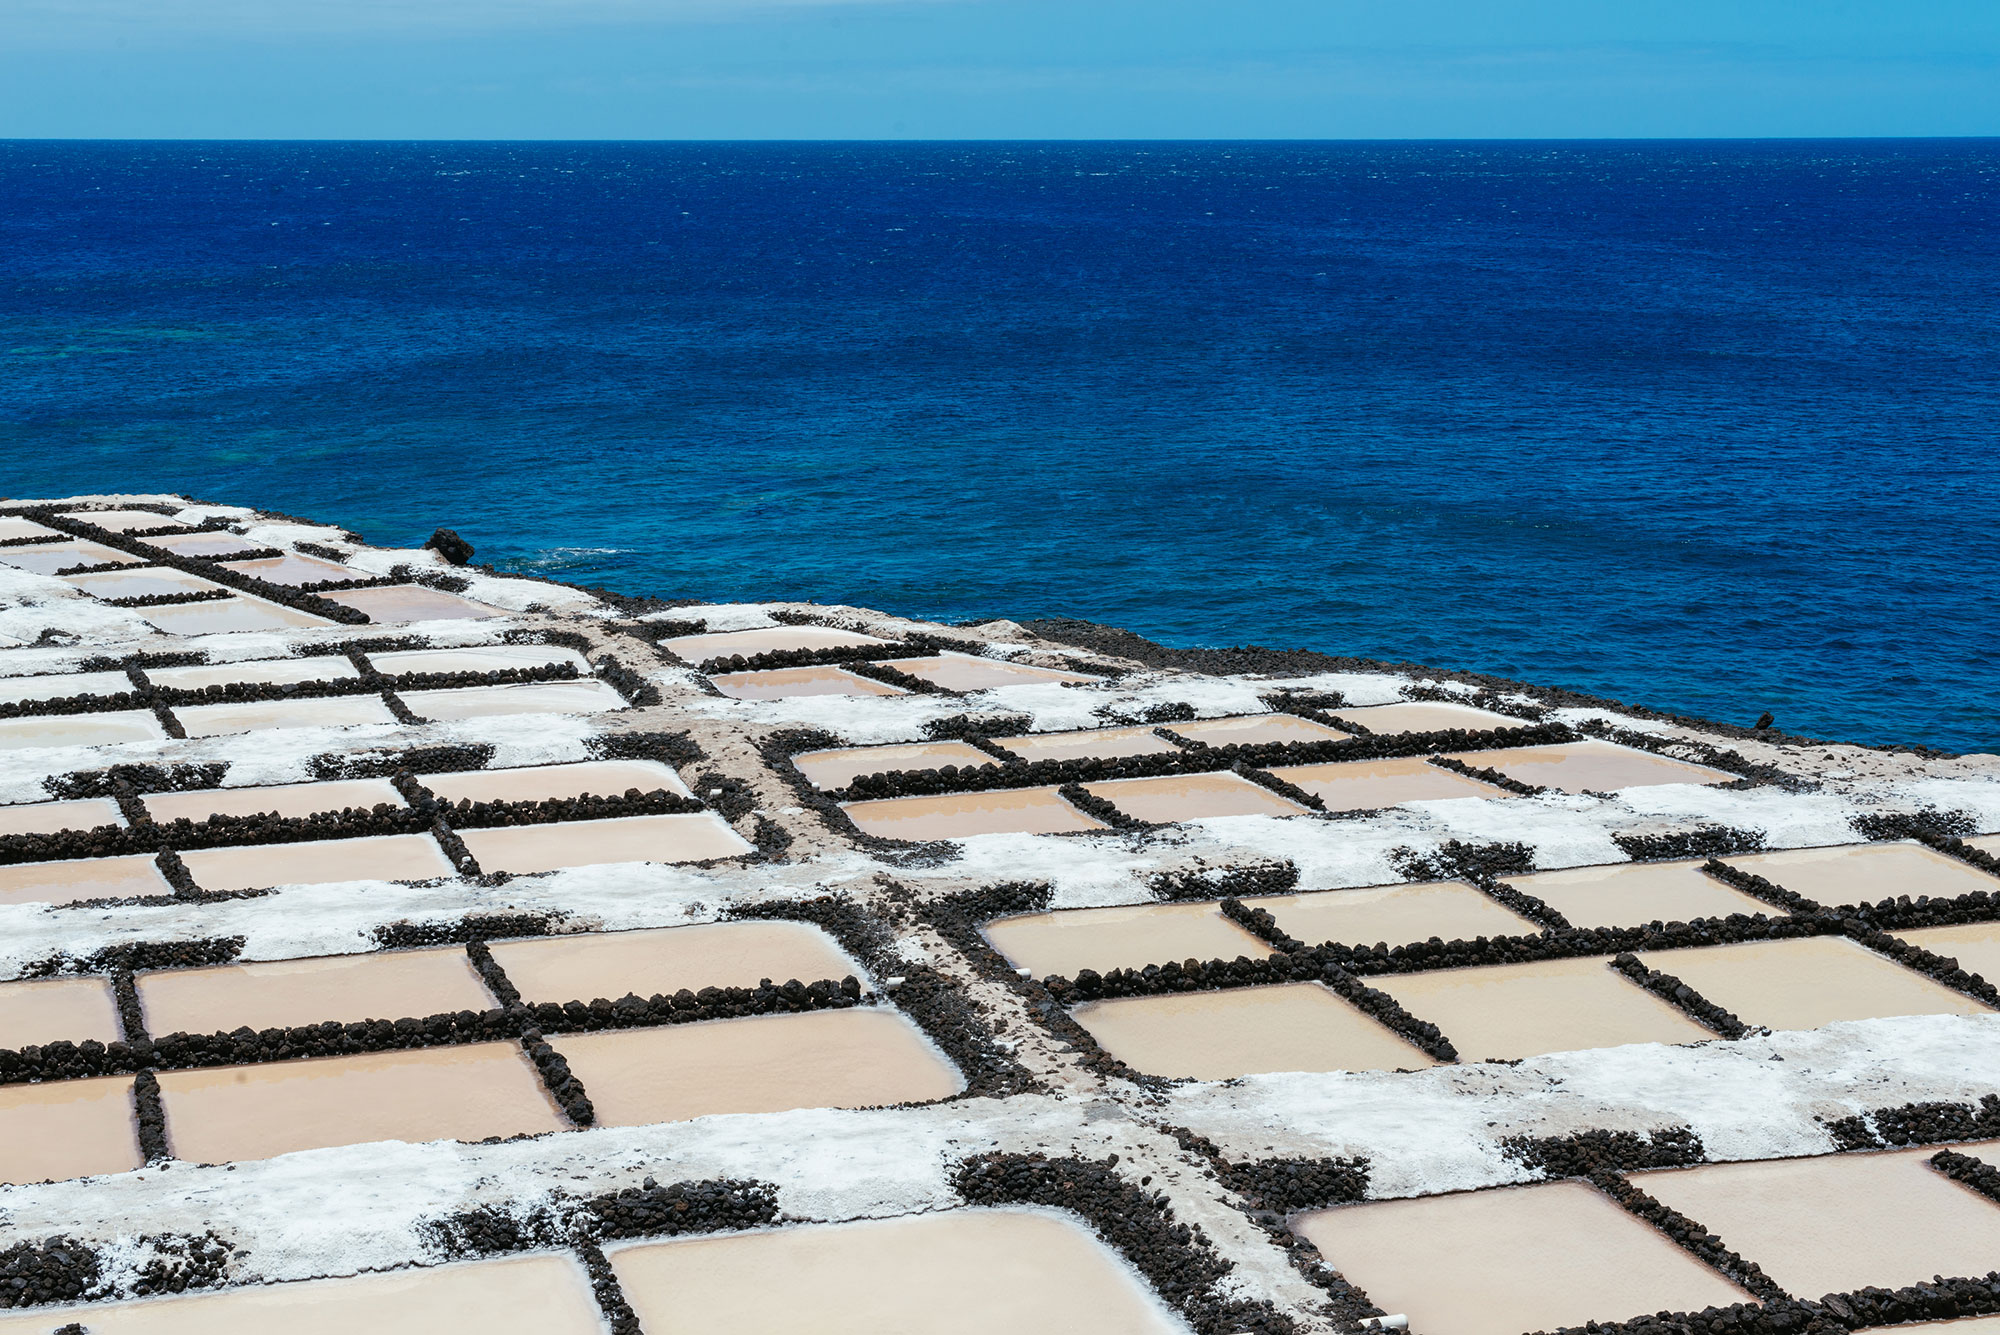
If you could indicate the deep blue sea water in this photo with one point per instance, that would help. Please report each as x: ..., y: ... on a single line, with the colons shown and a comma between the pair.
x: 1708, y: 426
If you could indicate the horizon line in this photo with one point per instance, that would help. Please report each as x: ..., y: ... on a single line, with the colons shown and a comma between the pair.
x: 997, y: 139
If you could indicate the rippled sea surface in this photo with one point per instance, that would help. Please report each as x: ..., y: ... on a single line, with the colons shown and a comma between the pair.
x: 1705, y: 426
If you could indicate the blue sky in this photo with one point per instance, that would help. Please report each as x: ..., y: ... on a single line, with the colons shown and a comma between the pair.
x: 947, y: 69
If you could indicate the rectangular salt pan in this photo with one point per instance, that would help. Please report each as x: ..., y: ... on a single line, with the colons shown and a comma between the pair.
x: 67, y: 1128
x: 388, y: 857
x: 1632, y: 894
x: 126, y: 521
x: 254, y: 1112
x: 129, y: 725
x: 838, y: 769
x: 290, y: 800
x: 239, y: 612
x: 1093, y: 744
x: 526, y: 849
x: 334, y: 711
x: 294, y: 570
x: 1807, y: 982
x: 791, y: 683
x: 1509, y: 1011
x: 63, y: 686
x: 766, y: 1063
x: 202, y: 544
x: 1365, y: 785
x: 662, y: 961
x: 974, y: 1272
x: 962, y: 672
x: 1502, y: 1261
x: 543, y: 783
x: 1865, y: 873
x: 285, y: 994
x: 1591, y: 766
x: 267, y: 672
x: 12, y: 528
x: 1178, y: 797
x: 485, y: 658
x: 963, y: 815
x: 1394, y: 915
x: 48, y: 1010
x: 1257, y: 730
x: 395, y: 604
x: 86, y: 813
x: 1128, y: 937
x: 1428, y: 716
x: 63, y: 555
x: 1976, y: 946
x: 141, y: 582
x: 698, y: 649
x: 1245, y: 1031
x: 533, y: 1295
x: 75, y: 879
x: 1840, y: 1222
x: 539, y: 697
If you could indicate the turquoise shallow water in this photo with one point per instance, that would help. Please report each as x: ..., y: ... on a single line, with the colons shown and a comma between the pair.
x: 1707, y: 426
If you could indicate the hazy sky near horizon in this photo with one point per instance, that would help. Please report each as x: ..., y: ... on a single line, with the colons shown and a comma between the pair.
x: 949, y: 69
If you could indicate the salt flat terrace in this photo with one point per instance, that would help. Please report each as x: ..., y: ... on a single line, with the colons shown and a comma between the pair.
x: 391, y: 941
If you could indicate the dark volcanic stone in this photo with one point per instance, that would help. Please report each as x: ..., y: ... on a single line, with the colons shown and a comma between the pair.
x: 446, y: 543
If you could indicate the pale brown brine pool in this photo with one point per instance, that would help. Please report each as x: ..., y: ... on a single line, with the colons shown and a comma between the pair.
x: 524, y: 849
x: 1127, y: 937
x: 1366, y: 785
x: 1179, y: 797
x: 764, y: 1063
x: 1591, y: 766
x: 961, y: 672
x: 47, y: 1010
x: 238, y: 612
x: 271, y: 672
x: 254, y: 1112
x: 1095, y: 744
x: 1510, y: 1259
x: 962, y: 815
x: 85, y: 813
x: 1509, y: 1011
x: 1865, y: 873
x: 1427, y: 716
x: 543, y: 783
x: 81, y: 878
x: 531, y: 1295
x: 395, y: 604
x: 1632, y: 894
x: 790, y: 683
x: 963, y: 1272
x: 1841, y: 1221
x: 335, y: 711
x: 68, y: 1128
x: 133, y: 725
x: 1807, y: 982
x: 386, y: 857
x: 289, y: 800
x: 661, y: 961
x: 283, y: 994
x: 1393, y: 915
x: 838, y: 769
x: 1245, y: 1031
x: 535, y: 697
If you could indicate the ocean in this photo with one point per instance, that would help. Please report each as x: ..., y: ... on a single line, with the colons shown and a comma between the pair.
x: 1707, y: 426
